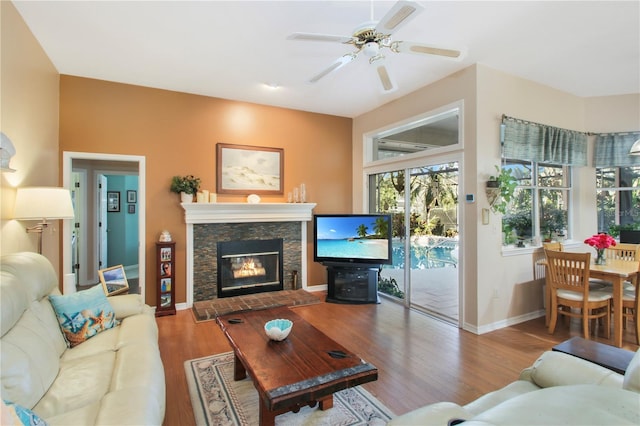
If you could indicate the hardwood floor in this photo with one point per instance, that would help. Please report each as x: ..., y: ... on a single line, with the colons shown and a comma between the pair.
x: 421, y: 360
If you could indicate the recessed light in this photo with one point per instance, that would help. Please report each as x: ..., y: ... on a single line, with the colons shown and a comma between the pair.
x: 272, y: 85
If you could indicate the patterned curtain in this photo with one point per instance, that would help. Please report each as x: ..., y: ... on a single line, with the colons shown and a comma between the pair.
x: 612, y: 150
x: 523, y: 140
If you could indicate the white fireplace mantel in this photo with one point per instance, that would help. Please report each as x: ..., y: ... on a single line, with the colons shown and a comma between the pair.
x: 202, y: 213
x: 247, y: 212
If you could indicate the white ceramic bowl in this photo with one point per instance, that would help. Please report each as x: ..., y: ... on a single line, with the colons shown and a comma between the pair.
x: 278, y: 329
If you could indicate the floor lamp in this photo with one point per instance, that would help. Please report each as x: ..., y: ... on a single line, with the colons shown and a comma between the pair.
x: 42, y: 203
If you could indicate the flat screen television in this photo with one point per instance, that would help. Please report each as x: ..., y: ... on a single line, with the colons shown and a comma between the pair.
x: 352, y: 238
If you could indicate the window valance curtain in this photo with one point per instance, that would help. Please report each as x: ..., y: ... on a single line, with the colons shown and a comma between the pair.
x: 612, y: 150
x: 524, y: 140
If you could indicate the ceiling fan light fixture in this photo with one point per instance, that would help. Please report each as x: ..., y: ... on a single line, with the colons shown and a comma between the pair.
x: 371, y: 49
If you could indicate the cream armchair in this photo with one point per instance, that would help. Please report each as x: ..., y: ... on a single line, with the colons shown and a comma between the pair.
x: 557, y: 389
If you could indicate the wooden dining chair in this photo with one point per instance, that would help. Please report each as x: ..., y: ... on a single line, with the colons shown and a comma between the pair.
x: 538, y: 257
x: 568, y: 278
x: 631, y: 305
x: 630, y: 308
x: 553, y: 245
x: 625, y: 251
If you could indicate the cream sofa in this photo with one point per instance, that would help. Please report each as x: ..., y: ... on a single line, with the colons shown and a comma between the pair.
x: 557, y: 389
x: 115, y: 377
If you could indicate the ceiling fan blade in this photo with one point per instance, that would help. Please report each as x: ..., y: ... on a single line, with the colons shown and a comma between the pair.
x: 385, y: 78
x: 319, y: 37
x: 401, y: 13
x: 339, y: 63
x: 422, y: 49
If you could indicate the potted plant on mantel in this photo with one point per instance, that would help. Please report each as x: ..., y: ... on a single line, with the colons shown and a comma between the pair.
x: 186, y: 186
x: 500, y: 189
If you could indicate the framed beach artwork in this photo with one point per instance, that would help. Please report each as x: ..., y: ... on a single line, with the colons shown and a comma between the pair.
x: 113, y: 280
x: 243, y: 169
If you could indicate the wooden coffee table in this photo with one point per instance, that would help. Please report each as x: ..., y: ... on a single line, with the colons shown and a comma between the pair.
x: 293, y: 373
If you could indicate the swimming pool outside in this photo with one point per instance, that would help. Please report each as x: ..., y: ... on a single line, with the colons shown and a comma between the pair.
x: 427, y: 252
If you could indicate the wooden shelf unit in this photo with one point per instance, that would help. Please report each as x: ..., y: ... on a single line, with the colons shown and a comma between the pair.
x: 165, y: 278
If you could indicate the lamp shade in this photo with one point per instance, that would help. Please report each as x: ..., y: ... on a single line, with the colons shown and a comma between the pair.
x: 39, y: 203
x: 635, y: 148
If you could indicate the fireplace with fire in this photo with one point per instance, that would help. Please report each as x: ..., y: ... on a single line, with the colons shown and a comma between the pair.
x: 249, y: 266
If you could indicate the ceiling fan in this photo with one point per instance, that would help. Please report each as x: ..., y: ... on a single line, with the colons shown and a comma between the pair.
x: 372, y: 38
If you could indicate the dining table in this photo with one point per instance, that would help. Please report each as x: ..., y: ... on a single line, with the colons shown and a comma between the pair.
x: 616, y: 272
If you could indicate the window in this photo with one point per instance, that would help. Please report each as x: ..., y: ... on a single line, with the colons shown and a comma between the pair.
x: 539, y: 209
x: 434, y: 132
x: 618, y: 198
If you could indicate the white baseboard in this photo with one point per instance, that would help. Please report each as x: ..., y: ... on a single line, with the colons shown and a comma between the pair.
x: 504, y: 323
x: 314, y: 288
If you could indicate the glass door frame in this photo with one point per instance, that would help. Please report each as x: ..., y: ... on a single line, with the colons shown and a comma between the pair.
x: 426, y: 158
x: 426, y: 161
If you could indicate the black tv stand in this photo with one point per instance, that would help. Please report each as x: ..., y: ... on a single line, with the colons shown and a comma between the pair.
x: 352, y: 283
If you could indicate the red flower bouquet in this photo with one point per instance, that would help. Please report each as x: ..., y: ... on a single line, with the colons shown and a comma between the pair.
x: 600, y: 242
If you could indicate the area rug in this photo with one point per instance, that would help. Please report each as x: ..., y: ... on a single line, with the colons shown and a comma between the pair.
x: 219, y: 400
x: 210, y: 309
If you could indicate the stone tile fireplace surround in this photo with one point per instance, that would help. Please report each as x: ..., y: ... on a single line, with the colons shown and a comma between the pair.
x: 209, y: 223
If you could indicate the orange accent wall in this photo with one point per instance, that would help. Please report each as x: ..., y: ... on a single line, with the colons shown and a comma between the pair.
x: 177, y: 133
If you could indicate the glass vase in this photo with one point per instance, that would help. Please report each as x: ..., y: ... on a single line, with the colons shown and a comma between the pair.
x: 600, y: 259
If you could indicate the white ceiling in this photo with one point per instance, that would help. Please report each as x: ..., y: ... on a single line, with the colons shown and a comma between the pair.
x: 230, y: 49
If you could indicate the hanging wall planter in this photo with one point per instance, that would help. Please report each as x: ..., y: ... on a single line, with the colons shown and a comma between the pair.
x: 500, y: 189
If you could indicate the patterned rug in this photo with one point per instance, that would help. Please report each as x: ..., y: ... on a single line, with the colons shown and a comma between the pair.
x: 210, y: 309
x: 219, y: 400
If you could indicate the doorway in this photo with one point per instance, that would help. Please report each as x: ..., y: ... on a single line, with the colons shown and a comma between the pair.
x: 413, y: 173
x: 423, y: 203
x: 82, y: 252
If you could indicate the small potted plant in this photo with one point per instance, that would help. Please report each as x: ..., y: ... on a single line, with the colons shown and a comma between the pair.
x: 500, y: 189
x: 186, y: 186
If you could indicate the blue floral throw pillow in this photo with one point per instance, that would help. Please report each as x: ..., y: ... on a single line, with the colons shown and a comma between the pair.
x: 14, y: 414
x: 84, y: 314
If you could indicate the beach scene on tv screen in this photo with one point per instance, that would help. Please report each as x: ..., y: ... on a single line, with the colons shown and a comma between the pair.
x: 348, y: 237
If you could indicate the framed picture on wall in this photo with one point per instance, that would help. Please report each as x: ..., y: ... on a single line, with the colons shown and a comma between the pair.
x: 132, y: 208
x: 132, y: 196
x: 243, y: 169
x: 113, y: 201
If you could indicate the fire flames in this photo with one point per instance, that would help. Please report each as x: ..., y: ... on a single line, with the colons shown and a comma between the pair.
x: 248, y: 267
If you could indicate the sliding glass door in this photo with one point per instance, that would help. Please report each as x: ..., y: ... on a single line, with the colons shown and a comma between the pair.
x: 423, y: 202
